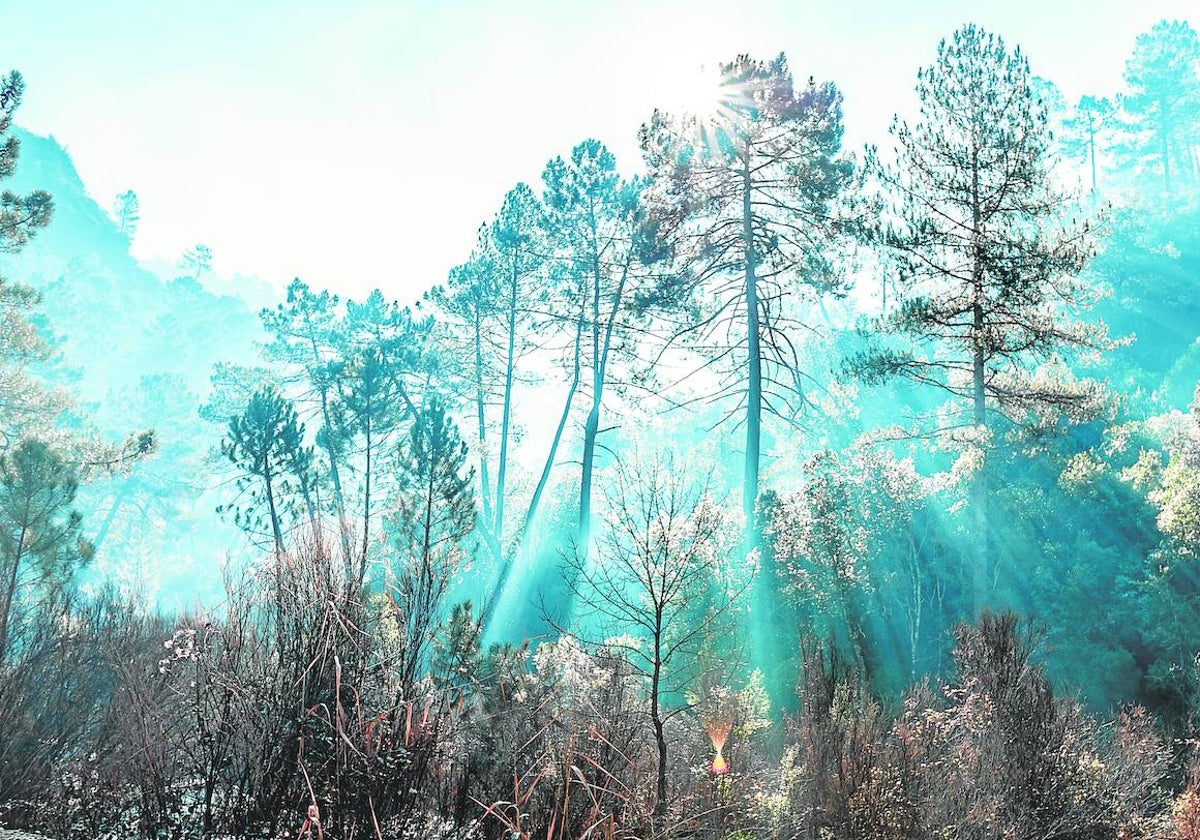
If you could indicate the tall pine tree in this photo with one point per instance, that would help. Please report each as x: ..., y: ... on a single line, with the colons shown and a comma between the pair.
x: 753, y: 188
x: 974, y: 230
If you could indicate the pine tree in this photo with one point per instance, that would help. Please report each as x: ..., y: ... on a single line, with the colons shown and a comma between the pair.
x: 41, y: 544
x: 753, y: 191
x: 196, y: 260
x: 308, y: 342
x: 495, y: 299
x: 1087, y: 130
x: 517, y: 255
x: 433, y: 515
x: 468, y: 305
x: 595, y: 222
x: 21, y: 216
x: 1163, y: 102
x: 266, y: 444
x: 25, y: 405
x: 384, y: 358
x: 126, y: 210
x: 986, y: 265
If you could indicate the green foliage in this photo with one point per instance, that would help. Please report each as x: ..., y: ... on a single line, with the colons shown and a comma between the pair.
x: 1163, y: 100
x: 266, y: 445
x: 975, y: 234
x: 196, y: 260
x: 20, y: 216
x: 457, y: 657
x: 353, y: 677
x: 41, y: 544
x: 431, y: 517
x: 595, y: 220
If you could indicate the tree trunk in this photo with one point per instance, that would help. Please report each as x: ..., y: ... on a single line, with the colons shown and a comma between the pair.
x: 361, y: 573
x: 502, y: 466
x: 111, y: 516
x: 754, y: 360
x: 484, y: 481
x: 591, y: 429
x: 277, y: 533
x: 544, y: 478
x: 276, y: 530
x: 422, y: 607
x: 493, y: 600
x: 658, y: 816
x: 979, y: 582
x: 339, y: 500
x: 9, y: 594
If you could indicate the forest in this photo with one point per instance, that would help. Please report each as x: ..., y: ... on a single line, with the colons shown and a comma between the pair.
x: 762, y: 488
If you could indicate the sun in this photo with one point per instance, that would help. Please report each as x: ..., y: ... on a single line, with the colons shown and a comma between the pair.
x: 688, y: 89
x: 698, y: 93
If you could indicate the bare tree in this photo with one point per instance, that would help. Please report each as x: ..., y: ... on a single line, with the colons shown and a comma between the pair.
x: 658, y: 582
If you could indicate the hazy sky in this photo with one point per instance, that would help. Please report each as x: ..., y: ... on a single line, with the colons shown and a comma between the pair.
x: 359, y: 144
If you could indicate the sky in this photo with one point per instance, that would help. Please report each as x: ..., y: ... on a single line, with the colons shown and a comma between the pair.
x: 360, y: 144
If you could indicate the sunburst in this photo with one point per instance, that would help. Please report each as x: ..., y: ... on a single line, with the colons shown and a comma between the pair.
x: 700, y: 94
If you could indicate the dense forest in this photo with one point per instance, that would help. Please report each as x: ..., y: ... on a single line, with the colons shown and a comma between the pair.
x: 761, y: 488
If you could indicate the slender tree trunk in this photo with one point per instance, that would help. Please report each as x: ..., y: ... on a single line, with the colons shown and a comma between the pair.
x: 978, y: 362
x: 10, y: 591
x: 591, y: 429
x: 361, y: 574
x: 1092, y: 155
x: 111, y: 516
x: 276, y: 530
x: 660, y: 804
x: 339, y: 500
x: 591, y: 426
x: 497, y: 525
x: 493, y: 600
x: 335, y: 478
x: 424, y: 606
x: 768, y: 651
x: 754, y: 360
x: 314, y: 523
x: 544, y: 478
x: 502, y: 466
x: 979, y: 395
x: 484, y: 481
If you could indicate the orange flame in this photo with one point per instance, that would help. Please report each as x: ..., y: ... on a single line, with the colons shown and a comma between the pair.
x: 718, y: 733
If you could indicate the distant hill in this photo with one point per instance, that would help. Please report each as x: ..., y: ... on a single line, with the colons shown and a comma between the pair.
x: 137, y: 349
x: 119, y: 320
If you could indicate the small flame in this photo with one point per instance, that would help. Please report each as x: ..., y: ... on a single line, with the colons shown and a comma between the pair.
x: 718, y: 733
